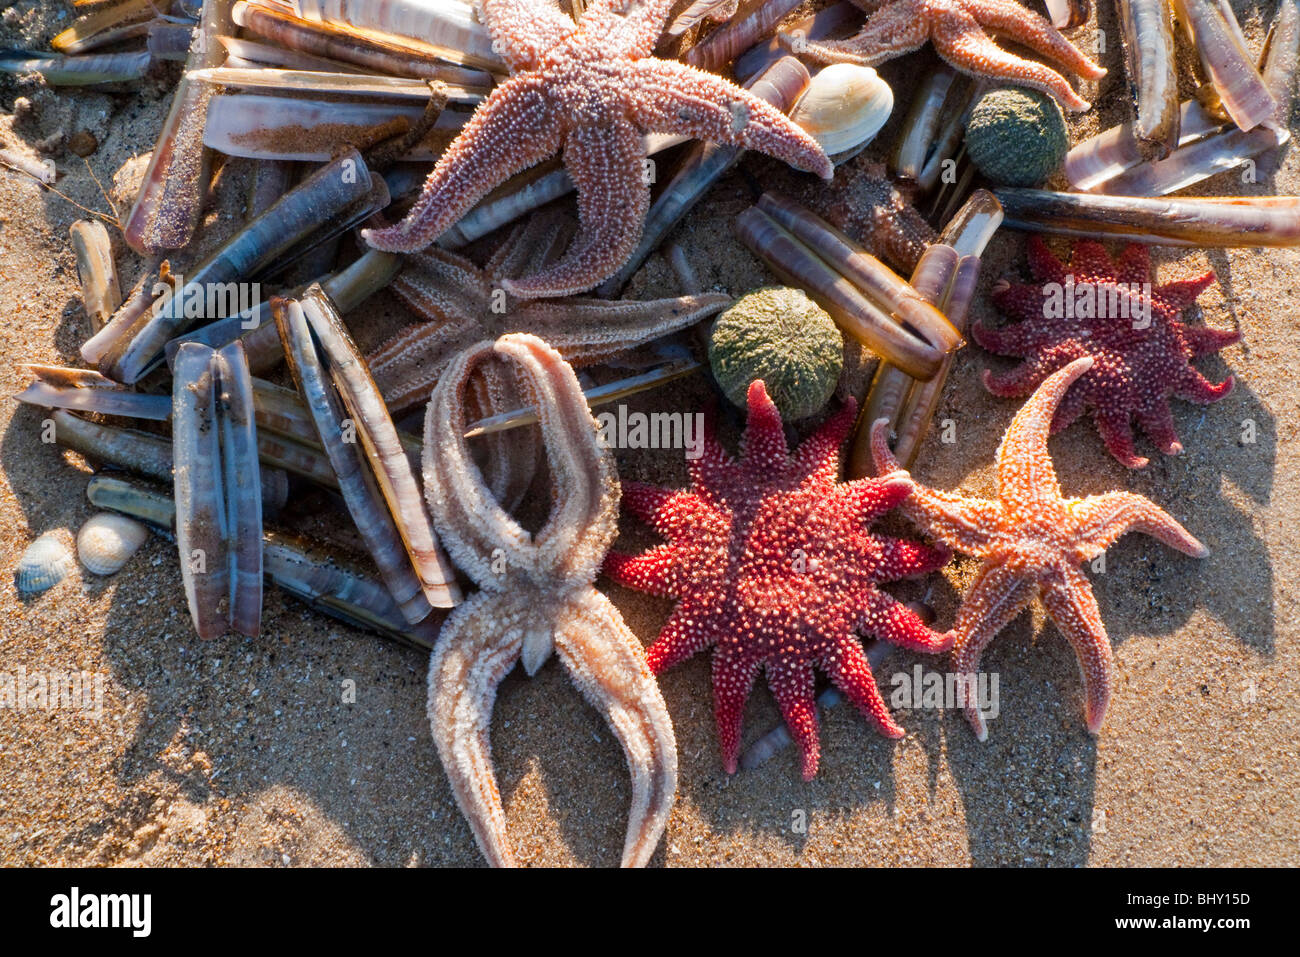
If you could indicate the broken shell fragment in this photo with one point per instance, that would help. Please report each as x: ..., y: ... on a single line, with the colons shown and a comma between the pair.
x: 45, y: 563
x: 107, y: 541
x: 84, y: 390
x: 100, y: 292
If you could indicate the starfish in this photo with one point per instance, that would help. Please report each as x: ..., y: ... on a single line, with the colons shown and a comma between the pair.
x: 878, y: 213
x: 590, y: 89
x: 773, y: 566
x: 462, y: 307
x: 536, y: 596
x: 1097, y: 307
x: 957, y: 29
x: 1032, y: 542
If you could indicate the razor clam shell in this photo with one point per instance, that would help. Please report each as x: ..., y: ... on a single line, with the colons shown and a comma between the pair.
x: 325, y: 195
x: 108, y: 24
x: 89, y: 70
x: 280, y: 128
x: 780, y: 85
x: 1065, y: 14
x: 43, y: 564
x: 43, y: 171
x: 169, y: 41
x: 137, y: 302
x: 316, y: 83
x: 251, y: 55
x: 973, y: 226
x: 1093, y: 162
x: 356, y: 51
x: 873, y: 278
x: 384, y: 450
x: 107, y: 541
x: 797, y: 265
x: 311, y: 573
x: 202, y: 524
x: 53, y: 388
x: 1228, y: 65
x: 241, y: 484
x: 757, y: 19
x: 1219, y: 222
x: 100, y: 292
x: 822, y: 25
x: 363, y: 499
x: 844, y: 107
x: 447, y: 30
x: 696, y: 13
x: 921, y: 127
x: 166, y: 210
x: 948, y: 138
x: 1146, y: 29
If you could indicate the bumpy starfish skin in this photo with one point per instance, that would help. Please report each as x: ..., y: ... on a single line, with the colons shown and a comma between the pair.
x: 773, y: 567
x: 460, y: 304
x: 1140, y: 360
x: 871, y: 208
x: 590, y: 89
x: 536, y: 596
x: 957, y: 29
x: 1032, y: 542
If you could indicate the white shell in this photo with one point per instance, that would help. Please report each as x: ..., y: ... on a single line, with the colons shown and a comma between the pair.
x: 107, y: 540
x: 46, y: 562
x: 845, y: 106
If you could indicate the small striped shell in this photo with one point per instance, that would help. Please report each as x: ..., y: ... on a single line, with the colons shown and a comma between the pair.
x: 108, y: 540
x: 45, y: 563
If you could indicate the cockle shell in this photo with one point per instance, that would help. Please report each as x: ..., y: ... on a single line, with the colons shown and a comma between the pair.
x: 46, y: 562
x: 845, y: 106
x: 107, y: 541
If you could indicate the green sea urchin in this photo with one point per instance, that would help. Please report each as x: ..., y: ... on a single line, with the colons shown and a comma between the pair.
x: 1016, y: 137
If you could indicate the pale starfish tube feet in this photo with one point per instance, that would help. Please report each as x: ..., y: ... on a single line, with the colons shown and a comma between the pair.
x: 774, y: 567
x: 959, y: 30
x: 590, y: 90
x: 1032, y: 542
x: 535, y: 595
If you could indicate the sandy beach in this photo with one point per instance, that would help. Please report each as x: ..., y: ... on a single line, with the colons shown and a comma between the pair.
x: 252, y: 752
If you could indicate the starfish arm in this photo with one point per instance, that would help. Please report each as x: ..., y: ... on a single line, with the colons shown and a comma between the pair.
x: 1203, y: 340
x: 902, y: 558
x: 1103, y: 519
x: 870, y: 498
x: 792, y: 687
x: 1184, y: 292
x: 407, y: 365
x: 732, y: 681
x: 654, y: 572
x: 1026, y: 477
x: 523, y: 30
x: 1089, y: 262
x: 591, y: 330
x: 998, y: 595
x: 1068, y: 412
x: 683, y: 635
x: 1157, y: 421
x: 959, y: 39
x: 1034, y: 31
x: 888, y: 619
x: 764, y: 450
x: 1194, y: 387
x: 818, y: 456
x: 1134, y: 264
x: 1117, y: 434
x: 889, y: 32
x: 963, y: 523
x: 513, y: 129
x: 1016, y: 382
x: 1043, y: 264
x: 849, y: 669
x: 1068, y: 598
x: 607, y: 664
x: 1025, y: 303
x: 605, y: 163
x: 638, y: 24
x: 671, y: 97
x: 511, y: 460
x: 474, y: 652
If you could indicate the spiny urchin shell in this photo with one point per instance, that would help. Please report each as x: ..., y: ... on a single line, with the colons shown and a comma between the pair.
x: 45, y: 563
x: 779, y: 335
x: 108, y: 540
x: 1016, y: 137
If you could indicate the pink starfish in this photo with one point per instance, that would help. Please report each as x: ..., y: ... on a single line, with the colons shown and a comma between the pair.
x: 773, y: 566
x: 590, y: 89
x: 1032, y: 541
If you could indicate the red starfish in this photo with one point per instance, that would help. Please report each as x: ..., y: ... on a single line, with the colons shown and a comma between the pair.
x: 1108, y: 310
x: 1032, y: 542
x: 772, y: 566
x: 590, y: 89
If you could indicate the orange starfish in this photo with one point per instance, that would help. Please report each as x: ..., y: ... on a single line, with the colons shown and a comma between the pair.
x: 1033, y: 541
x: 957, y: 29
x: 590, y: 89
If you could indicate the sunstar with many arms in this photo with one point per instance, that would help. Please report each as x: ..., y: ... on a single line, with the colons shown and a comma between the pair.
x: 773, y: 566
x: 591, y: 89
x: 1032, y: 542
